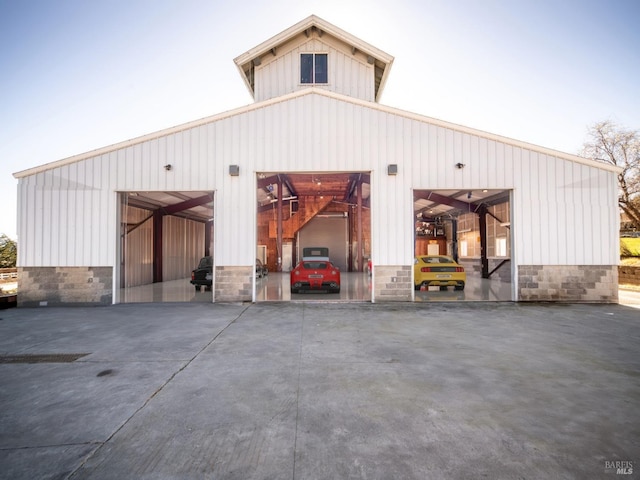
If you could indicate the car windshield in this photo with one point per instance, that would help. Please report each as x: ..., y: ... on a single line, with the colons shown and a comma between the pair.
x: 315, y: 252
x: 436, y: 260
x: 206, y: 262
x: 314, y: 265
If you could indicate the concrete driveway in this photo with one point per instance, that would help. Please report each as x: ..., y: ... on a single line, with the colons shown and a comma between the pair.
x: 320, y: 391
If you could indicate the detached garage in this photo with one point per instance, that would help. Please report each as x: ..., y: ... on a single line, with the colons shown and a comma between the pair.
x: 316, y: 158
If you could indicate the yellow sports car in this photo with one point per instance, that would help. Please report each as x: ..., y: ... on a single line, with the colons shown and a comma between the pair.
x: 438, y: 270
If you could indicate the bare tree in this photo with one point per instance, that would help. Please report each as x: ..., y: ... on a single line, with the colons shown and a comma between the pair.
x: 612, y: 144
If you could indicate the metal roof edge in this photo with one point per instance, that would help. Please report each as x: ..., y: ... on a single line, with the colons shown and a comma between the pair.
x: 473, y: 131
x: 310, y: 21
x: 152, y: 136
x: 301, y: 93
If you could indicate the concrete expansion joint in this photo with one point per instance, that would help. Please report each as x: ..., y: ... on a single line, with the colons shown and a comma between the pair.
x: 295, y: 431
x: 52, y: 445
x: 156, y: 392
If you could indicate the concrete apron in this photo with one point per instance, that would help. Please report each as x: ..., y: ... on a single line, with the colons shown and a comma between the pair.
x: 320, y: 391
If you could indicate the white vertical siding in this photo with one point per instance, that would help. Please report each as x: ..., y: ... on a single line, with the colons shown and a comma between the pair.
x: 349, y: 74
x: 67, y: 214
x: 564, y: 212
x: 62, y: 218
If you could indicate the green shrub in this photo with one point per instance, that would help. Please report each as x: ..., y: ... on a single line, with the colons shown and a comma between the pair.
x: 8, y: 252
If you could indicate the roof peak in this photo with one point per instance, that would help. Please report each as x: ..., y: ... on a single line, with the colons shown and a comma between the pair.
x: 251, y: 58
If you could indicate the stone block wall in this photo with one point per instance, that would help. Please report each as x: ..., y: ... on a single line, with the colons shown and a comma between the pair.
x: 568, y: 283
x: 629, y: 275
x: 234, y: 284
x: 392, y: 283
x: 51, y: 286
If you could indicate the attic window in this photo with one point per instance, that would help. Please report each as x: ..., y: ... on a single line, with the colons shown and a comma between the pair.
x: 313, y: 68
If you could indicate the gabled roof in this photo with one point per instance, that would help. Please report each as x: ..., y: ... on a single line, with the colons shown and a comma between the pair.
x: 381, y: 60
x: 325, y: 93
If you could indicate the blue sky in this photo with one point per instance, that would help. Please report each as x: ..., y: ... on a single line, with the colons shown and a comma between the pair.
x: 76, y: 75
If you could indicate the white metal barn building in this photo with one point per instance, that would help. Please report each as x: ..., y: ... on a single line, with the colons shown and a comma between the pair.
x: 316, y: 160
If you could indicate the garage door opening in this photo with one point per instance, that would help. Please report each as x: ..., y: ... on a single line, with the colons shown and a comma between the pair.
x: 314, y: 209
x: 163, y: 237
x: 473, y: 229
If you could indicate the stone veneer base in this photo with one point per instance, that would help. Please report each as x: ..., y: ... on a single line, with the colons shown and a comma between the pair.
x: 568, y: 283
x: 392, y: 283
x: 234, y: 284
x: 52, y: 286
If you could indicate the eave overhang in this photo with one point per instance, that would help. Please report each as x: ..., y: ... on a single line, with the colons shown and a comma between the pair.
x: 381, y: 61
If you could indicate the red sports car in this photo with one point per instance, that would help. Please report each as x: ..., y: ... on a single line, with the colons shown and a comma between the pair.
x: 315, y: 272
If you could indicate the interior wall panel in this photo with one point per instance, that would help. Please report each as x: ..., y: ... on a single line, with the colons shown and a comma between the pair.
x: 138, y: 248
x: 182, y: 247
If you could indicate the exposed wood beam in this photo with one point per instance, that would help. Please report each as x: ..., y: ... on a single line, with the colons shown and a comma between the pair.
x: 208, y: 236
x: 136, y: 225
x: 502, y: 197
x: 484, y: 261
x: 186, y: 205
x: 356, y: 179
x: 499, y: 265
x: 157, y: 246
x: 266, y: 181
x: 444, y: 200
x: 454, y: 238
x: 270, y: 206
x: 359, y: 227
x: 492, y: 215
x: 353, y: 183
x: 287, y: 183
x: 279, y: 233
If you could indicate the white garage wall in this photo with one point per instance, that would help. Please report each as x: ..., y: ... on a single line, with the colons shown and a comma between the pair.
x: 64, y: 220
x: 564, y: 207
x: 565, y: 212
x: 349, y: 73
